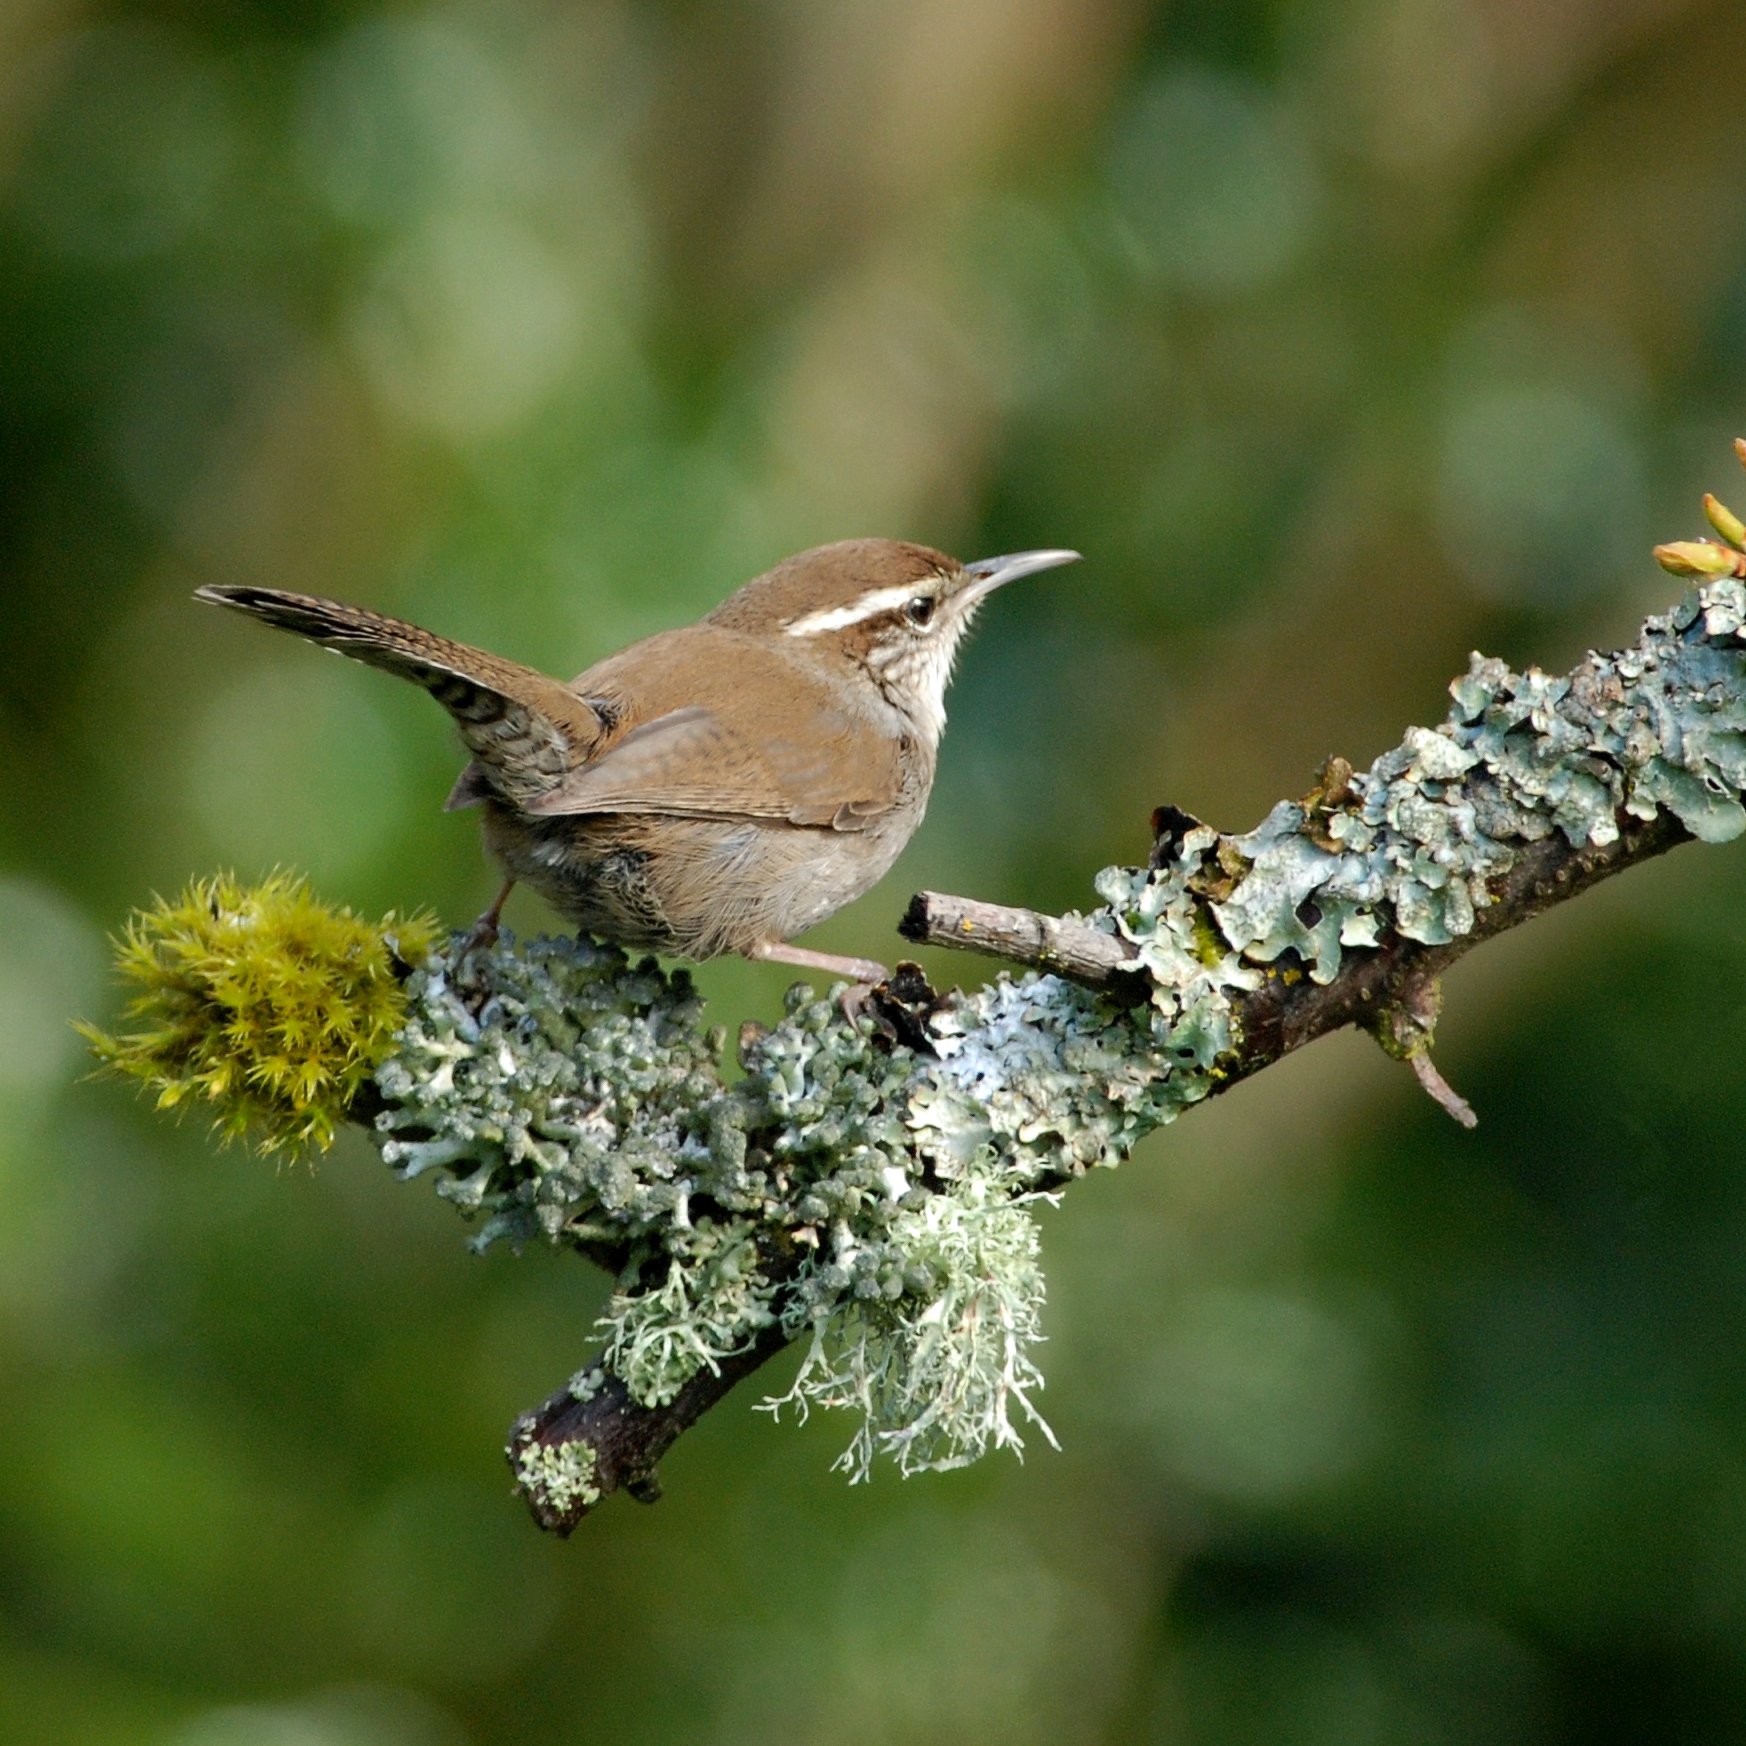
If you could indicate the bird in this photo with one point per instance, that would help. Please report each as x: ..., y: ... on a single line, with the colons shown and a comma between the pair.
x: 722, y: 787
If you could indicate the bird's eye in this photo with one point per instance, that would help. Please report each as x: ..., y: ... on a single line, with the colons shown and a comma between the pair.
x: 920, y: 610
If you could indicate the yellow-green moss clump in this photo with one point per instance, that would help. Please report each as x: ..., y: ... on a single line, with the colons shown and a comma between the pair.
x: 265, y: 1004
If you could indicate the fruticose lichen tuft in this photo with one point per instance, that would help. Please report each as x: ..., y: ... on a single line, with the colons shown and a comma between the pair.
x: 936, y: 1361
x: 710, y: 1306
x: 271, y: 1008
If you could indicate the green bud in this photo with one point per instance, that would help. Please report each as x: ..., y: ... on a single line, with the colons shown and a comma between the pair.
x: 1725, y: 521
x: 1698, y: 558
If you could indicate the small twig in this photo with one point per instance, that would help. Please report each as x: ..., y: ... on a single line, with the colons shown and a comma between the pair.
x: 1441, y: 1091
x: 1022, y: 936
x: 624, y: 1441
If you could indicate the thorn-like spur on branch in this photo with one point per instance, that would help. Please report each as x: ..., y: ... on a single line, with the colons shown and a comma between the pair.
x: 1066, y: 945
x: 862, y: 1190
x: 1440, y: 1091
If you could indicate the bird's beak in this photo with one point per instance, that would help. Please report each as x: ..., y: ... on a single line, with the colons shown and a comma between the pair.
x: 988, y: 574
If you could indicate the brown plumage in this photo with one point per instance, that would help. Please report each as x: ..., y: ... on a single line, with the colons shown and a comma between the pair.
x: 719, y: 788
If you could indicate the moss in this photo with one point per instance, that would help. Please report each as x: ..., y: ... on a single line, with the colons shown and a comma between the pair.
x: 267, y: 1007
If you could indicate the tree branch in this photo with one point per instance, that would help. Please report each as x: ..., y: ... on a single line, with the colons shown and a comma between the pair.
x: 1229, y: 953
x: 1287, y: 1010
x: 862, y: 1189
x: 626, y: 1440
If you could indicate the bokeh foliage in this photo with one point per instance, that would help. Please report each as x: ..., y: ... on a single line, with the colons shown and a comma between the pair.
x: 1343, y: 336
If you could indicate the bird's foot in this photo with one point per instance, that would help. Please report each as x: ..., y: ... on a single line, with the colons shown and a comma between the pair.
x: 484, y: 931
x: 481, y: 934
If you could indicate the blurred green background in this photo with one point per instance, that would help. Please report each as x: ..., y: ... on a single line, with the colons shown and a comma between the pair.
x: 1342, y: 336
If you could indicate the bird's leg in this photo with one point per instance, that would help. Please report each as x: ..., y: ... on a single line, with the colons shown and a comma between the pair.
x: 856, y: 969
x: 864, y: 973
x: 484, y: 931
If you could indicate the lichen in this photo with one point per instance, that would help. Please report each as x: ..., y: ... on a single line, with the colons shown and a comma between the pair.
x: 937, y: 1356
x: 561, y: 1476
x: 559, y: 1091
x: 562, y: 1091
x: 1421, y: 835
x: 710, y: 1306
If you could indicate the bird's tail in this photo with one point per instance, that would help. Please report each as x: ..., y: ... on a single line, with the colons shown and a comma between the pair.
x: 524, y: 729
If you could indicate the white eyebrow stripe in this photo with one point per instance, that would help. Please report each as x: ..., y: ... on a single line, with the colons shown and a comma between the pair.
x: 841, y: 617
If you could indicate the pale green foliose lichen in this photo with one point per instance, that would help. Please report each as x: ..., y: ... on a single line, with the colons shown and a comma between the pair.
x: 563, y: 1091
x: 1420, y: 835
x: 872, y: 1200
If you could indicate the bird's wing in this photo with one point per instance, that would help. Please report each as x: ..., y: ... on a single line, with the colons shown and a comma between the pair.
x: 683, y: 762
x: 525, y: 730
x: 693, y: 763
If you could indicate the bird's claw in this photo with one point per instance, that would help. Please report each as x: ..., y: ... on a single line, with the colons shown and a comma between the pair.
x: 481, y: 934
x: 899, y: 1006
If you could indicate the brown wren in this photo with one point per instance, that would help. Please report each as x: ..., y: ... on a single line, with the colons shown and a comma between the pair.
x: 720, y: 788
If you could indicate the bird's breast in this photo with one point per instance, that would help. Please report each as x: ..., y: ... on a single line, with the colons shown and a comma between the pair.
x: 696, y: 886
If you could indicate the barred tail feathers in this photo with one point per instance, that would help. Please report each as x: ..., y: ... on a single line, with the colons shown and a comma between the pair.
x: 525, y: 730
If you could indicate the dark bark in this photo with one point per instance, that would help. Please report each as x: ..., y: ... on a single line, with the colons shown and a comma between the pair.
x: 627, y: 1440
